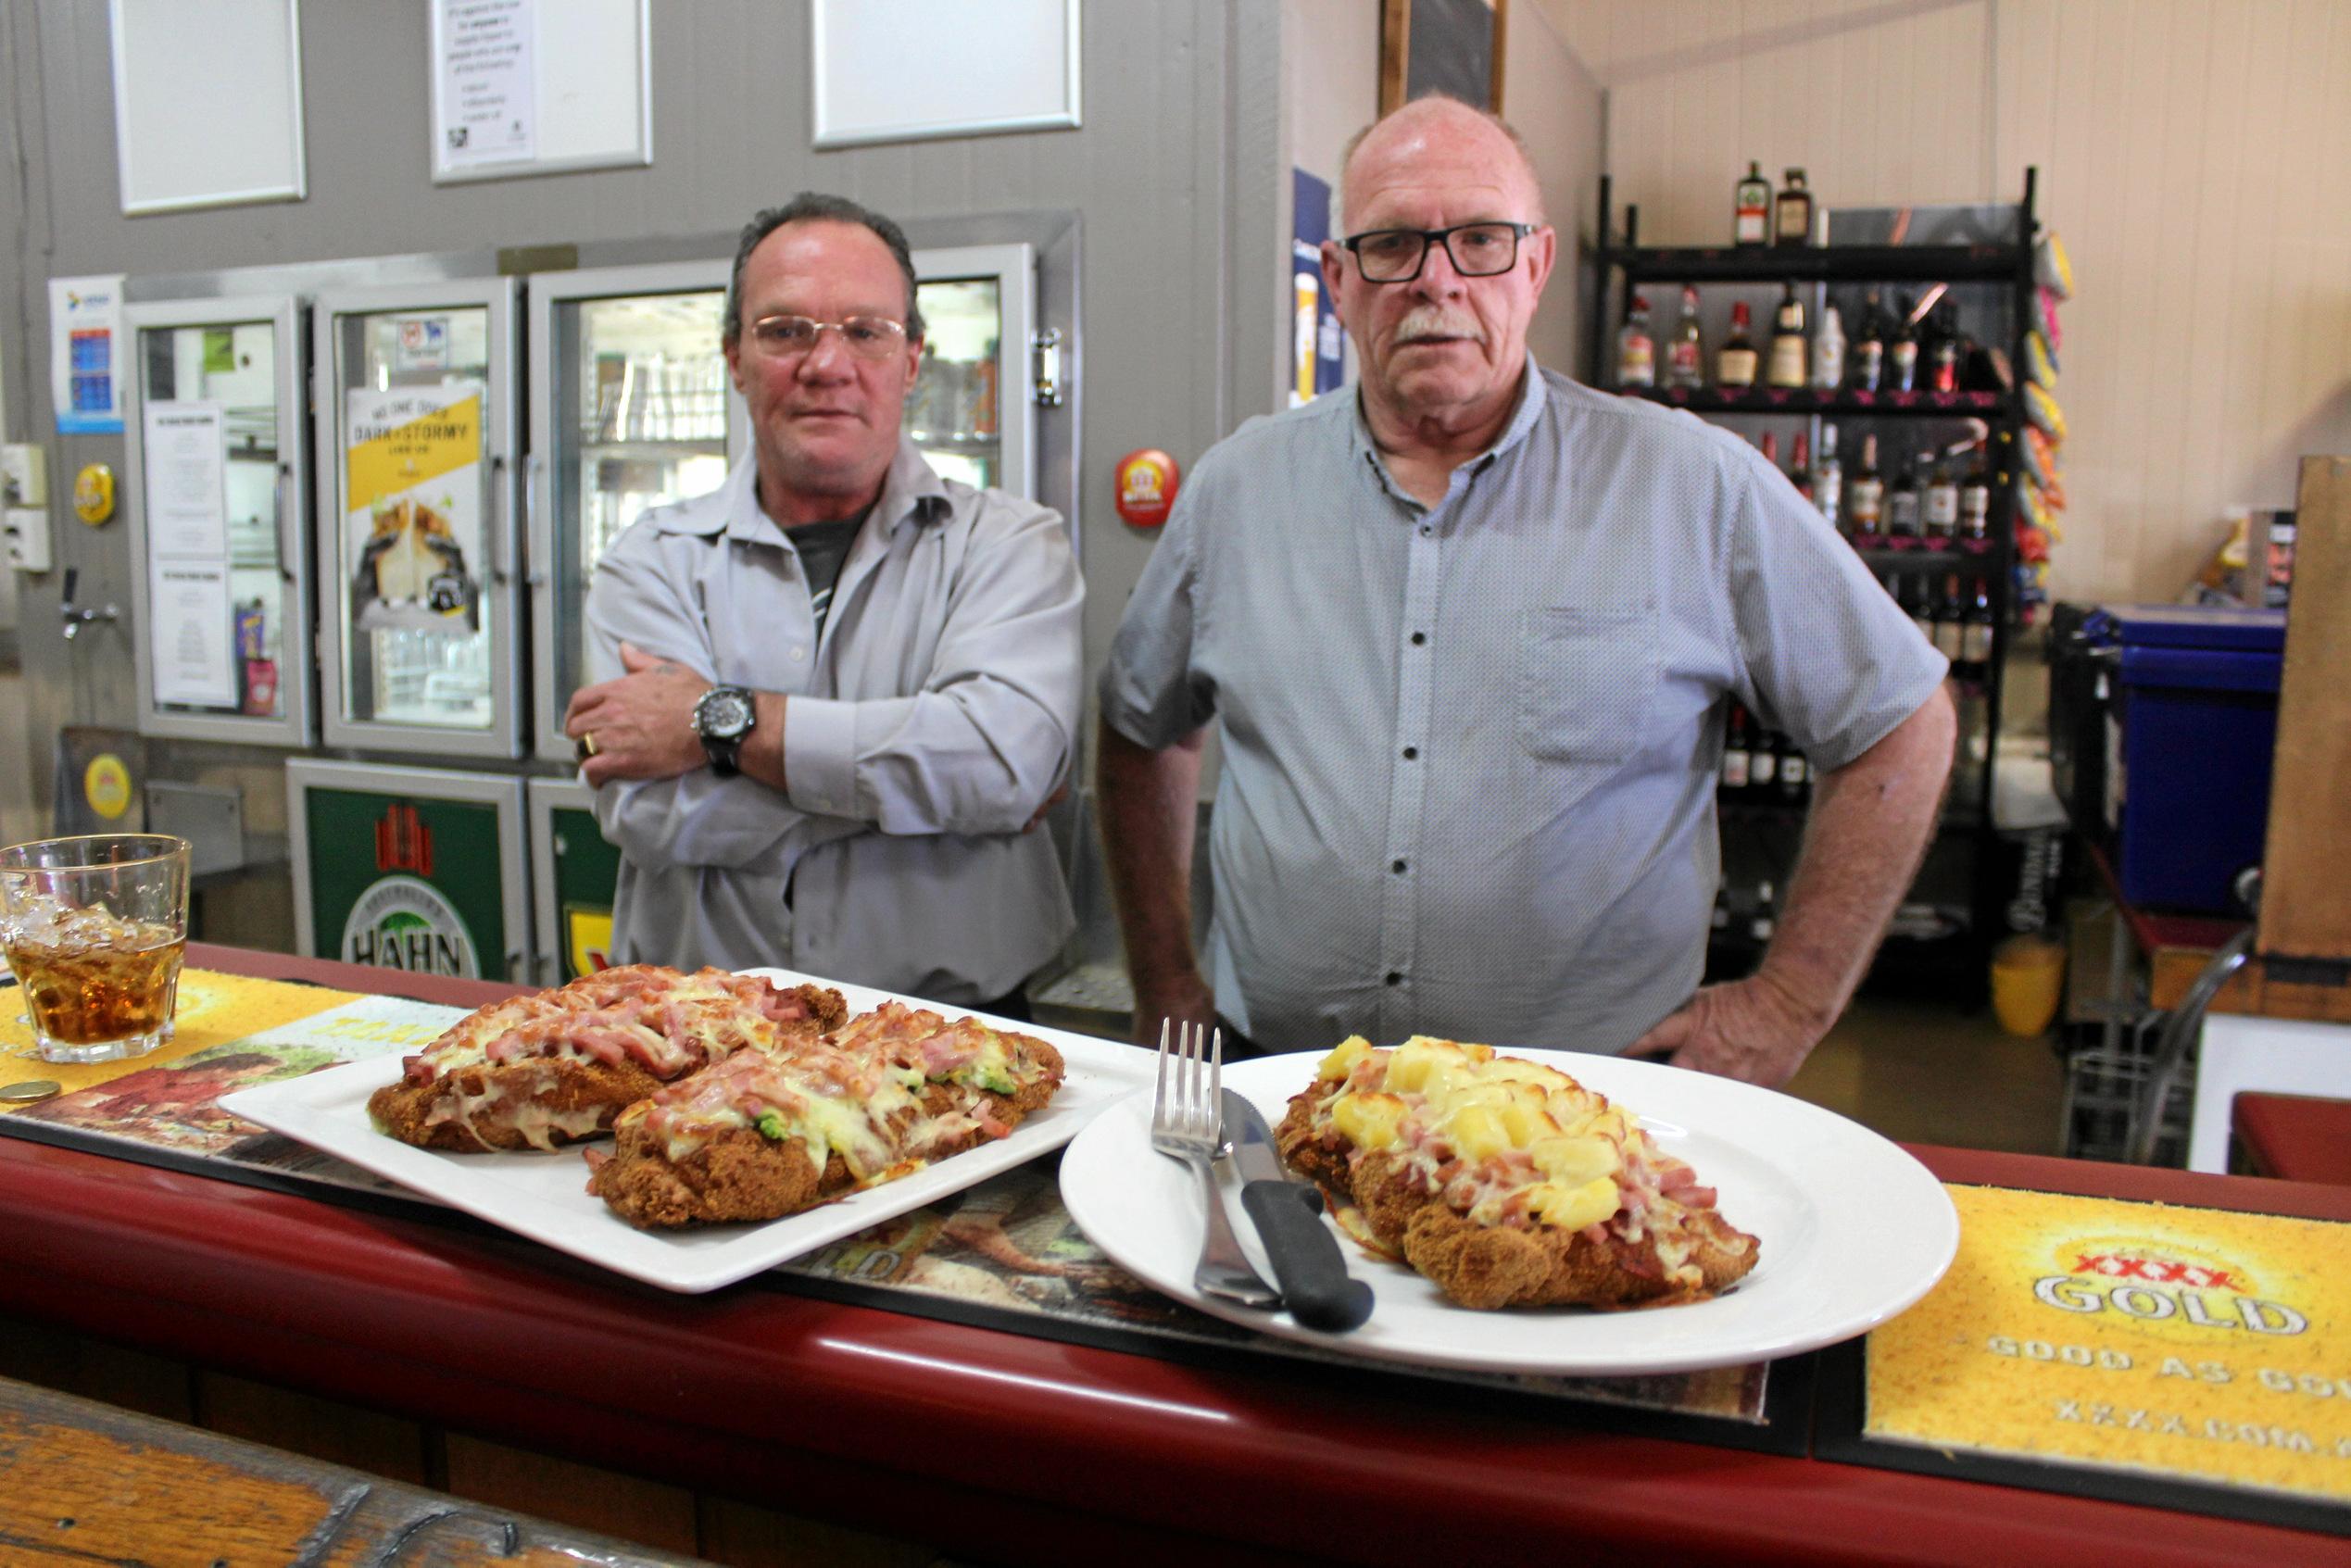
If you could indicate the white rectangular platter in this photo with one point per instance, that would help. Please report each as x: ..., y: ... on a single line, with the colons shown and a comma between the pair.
x: 545, y: 1195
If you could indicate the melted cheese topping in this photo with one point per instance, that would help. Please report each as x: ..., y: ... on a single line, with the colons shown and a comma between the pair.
x: 1508, y: 1142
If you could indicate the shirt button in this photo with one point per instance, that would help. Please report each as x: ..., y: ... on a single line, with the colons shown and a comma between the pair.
x: 1397, y: 868
x: 1411, y: 753
x: 1426, y: 529
x: 798, y: 654
x: 1394, y: 978
x: 1419, y: 637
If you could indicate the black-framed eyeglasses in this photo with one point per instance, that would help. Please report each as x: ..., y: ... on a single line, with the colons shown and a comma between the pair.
x: 1478, y: 250
x: 868, y: 337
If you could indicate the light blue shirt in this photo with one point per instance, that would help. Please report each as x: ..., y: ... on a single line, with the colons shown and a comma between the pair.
x: 1470, y: 750
x: 922, y: 731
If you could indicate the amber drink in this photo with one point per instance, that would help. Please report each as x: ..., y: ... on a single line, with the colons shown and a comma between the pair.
x: 95, y: 928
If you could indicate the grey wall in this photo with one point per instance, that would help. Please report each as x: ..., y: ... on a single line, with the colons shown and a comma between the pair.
x: 1178, y: 176
x: 1557, y: 106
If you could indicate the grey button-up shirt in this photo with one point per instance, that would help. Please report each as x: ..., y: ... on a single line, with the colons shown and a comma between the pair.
x: 922, y: 731
x: 1470, y: 750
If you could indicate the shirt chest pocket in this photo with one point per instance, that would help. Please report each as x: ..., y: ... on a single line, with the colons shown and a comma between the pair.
x: 1587, y: 682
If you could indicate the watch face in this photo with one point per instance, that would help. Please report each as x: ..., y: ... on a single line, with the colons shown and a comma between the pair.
x: 724, y: 713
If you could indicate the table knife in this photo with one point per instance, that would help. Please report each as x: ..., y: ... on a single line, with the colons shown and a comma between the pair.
x: 1288, y: 1213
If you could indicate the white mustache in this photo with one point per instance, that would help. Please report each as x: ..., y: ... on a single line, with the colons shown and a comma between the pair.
x: 1434, y: 322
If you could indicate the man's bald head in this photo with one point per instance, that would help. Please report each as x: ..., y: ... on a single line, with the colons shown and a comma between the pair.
x: 1446, y: 129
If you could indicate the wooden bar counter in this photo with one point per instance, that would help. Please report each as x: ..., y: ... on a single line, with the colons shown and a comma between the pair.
x: 985, y: 1445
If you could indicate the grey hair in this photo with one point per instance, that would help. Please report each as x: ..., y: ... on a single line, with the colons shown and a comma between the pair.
x: 1509, y: 132
x: 815, y: 206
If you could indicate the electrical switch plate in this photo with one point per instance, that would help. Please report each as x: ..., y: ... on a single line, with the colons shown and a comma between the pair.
x: 24, y: 477
x: 24, y: 531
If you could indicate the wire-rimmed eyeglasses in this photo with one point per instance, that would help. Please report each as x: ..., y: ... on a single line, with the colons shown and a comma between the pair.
x: 1476, y: 250
x: 868, y: 337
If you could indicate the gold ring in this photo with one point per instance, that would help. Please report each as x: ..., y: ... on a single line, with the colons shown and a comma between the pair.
x: 586, y: 748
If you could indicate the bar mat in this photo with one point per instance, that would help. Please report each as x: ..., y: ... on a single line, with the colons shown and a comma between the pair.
x: 2182, y: 1358
x: 213, y: 1009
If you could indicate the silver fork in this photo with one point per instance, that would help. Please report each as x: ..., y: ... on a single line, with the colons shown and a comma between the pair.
x: 1187, y: 1124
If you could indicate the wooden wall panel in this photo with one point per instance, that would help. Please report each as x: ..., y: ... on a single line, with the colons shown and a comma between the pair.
x: 2188, y: 154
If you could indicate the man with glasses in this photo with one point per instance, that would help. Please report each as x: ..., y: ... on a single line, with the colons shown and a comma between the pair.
x: 835, y: 694
x: 1472, y: 630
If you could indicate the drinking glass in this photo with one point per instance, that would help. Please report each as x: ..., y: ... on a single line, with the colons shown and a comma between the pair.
x: 95, y: 928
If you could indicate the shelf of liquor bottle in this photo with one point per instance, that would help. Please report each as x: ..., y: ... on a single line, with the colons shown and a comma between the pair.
x: 656, y: 449
x: 1853, y: 264
x: 1845, y: 403
x: 1926, y: 555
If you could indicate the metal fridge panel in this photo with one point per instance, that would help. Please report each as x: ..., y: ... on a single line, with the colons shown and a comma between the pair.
x: 551, y: 922
x: 550, y: 295
x: 295, y: 725
x: 501, y: 525
x: 1012, y: 269
x: 502, y: 791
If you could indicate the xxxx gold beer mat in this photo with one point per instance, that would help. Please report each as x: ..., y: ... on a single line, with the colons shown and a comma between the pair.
x: 2187, y: 1344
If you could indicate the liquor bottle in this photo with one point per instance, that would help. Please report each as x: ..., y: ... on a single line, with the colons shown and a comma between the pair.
x: 1943, y: 359
x: 1902, y: 503
x: 1868, y: 371
x: 1951, y: 620
x: 1800, y: 466
x: 1735, y: 753
x: 1735, y: 362
x: 1752, y: 204
x: 1828, y: 352
x: 1975, y: 502
x: 1828, y: 480
x: 1921, y: 607
x: 1792, y: 213
x: 1940, y: 508
x: 1789, y: 352
x: 1866, y: 501
x: 1763, y: 766
x: 1686, y: 355
x: 1636, y: 349
x: 1761, y: 926
x: 1902, y: 353
x: 1769, y: 444
x: 1795, y: 772
x: 1975, y: 637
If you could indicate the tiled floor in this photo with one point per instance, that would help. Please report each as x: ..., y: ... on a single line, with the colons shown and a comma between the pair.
x: 1920, y: 1073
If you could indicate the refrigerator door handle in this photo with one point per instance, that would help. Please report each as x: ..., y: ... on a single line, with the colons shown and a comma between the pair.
x: 502, y: 504
x: 286, y: 553
x: 537, y: 577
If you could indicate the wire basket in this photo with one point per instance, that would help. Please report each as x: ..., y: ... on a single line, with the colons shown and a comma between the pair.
x: 2104, y: 1083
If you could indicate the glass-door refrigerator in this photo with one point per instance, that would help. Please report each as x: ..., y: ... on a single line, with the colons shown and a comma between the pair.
x: 631, y: 406
x: 414, y: 393
x: 221, y: 573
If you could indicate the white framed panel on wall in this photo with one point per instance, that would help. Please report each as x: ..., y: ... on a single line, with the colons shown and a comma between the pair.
x: 901, y: 70
x: 207, y: 103
x: 540, y: 87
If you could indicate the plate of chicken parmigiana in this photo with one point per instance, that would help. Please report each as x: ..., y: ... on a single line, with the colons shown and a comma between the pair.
x: 689, y: 1130
x: 1550, y: 1212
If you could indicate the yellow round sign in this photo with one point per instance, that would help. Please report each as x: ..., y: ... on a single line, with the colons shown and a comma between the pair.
x: 94, y: 492
x: 107, y: 784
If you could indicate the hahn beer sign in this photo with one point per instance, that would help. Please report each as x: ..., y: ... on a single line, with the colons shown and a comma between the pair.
x: 403, y: 880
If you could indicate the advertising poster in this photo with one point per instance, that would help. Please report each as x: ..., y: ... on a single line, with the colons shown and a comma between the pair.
x: 413, y: 464
x: 586, y: 869
x: 191, y: 646
x: 407, y: 883
x: 489, y: 107
x: 85, y: 331
x: 1317, y: 362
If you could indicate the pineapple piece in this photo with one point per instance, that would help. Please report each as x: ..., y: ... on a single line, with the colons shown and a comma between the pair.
x: 1573, y: 1160
x: 1368, y: 1119
x: 1477, y: 1132
x: 1424, y: 1066
x: 1572, y: 1208
x: 1527, y: 1125
x: 1343, y: 1058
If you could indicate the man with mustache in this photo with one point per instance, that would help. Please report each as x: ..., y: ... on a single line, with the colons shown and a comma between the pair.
x: 1473, y: 633
x: 836, y: 693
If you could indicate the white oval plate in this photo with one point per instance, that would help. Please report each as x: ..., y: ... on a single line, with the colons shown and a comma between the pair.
x: 1853, y: 1231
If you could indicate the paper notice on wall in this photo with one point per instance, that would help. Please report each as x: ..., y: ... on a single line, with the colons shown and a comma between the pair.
x: 485, y: 101
x: 85, y: 337
x: 191, y: 637
x: 413, y: 483
x: 185, y: 467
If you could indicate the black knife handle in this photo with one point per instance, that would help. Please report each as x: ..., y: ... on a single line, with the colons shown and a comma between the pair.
x: 1315, y: 1284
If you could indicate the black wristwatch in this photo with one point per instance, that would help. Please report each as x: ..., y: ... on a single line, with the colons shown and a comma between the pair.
x: 722, y: 717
